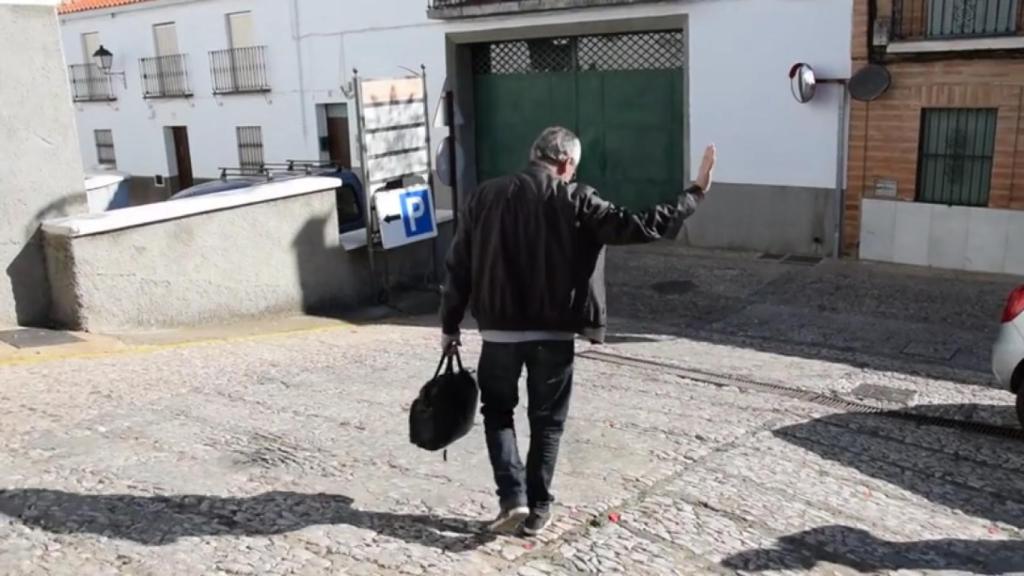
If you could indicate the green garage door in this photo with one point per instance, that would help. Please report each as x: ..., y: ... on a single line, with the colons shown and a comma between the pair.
x: 622, y: 94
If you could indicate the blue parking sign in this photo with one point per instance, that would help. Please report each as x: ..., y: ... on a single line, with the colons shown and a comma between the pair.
x: 417, y: 215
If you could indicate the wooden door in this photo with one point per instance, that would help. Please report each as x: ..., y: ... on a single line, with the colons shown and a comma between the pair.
x: 338, y: 142
x: 338, y: 135
x: 183, y: 157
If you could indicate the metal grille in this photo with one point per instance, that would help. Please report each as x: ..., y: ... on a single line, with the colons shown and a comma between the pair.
x: 919, y: 19
x: 105, y: 147
x: 90, y: 84
x: 515, y: 6
x: 957, y: 146
x: 250, y: 149
x: 650, y: 51
x: 643, y: 51
x: 164, y: 76
x: 523, y: 57
x: 239, y: 70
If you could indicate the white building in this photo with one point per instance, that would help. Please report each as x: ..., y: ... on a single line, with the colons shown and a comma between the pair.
x: 646, y: 84
x: 223, y: 83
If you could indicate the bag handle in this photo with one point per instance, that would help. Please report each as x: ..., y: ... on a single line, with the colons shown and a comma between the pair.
x: 449, y: 368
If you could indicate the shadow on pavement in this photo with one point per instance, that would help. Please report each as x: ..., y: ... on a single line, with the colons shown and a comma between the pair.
x: 860, y: 550
x: 159, y: 520
x: 975, y: 474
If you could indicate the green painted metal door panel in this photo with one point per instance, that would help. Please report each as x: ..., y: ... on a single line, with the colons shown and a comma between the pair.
x: 629, y: 121
x: 511, y: 111
x: 631, y: 126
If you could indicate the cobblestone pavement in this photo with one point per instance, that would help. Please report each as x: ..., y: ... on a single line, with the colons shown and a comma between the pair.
x: 289, y: 455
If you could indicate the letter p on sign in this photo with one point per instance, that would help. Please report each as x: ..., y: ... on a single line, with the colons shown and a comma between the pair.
x: 416, y: 213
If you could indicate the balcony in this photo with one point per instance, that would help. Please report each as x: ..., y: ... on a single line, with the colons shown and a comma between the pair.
x: 90, y: 84
x: 455, y: 9
x: 927, y: 20
x: 165, y: 76
x: 239, y: 70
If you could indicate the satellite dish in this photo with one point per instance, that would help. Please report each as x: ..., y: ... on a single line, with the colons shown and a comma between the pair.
x: 802, y: 82
x: 870, y: 82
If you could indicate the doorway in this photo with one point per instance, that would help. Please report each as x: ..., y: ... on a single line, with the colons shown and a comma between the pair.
x: 339, y: 147
x: 623, y: 94
x: 182, y: 156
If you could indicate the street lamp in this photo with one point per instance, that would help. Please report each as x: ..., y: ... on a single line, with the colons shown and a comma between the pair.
x: 104, y: 58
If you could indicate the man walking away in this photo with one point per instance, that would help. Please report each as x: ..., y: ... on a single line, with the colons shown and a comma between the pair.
x: 516, y: 263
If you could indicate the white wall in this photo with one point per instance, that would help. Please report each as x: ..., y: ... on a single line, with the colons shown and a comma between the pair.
x: 740, y: 55
x: 953, y: 237
x: 380, y: 38
x: 41, y: 173
x: 740, y: 52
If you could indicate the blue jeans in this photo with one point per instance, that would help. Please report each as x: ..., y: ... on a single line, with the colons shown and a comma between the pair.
x: 549, y: 367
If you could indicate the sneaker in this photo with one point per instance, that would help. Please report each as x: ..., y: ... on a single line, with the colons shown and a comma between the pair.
x: 537, y: 521
x: 508, y: 519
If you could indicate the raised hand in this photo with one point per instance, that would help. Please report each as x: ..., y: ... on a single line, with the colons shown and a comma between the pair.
x: 706, y: 172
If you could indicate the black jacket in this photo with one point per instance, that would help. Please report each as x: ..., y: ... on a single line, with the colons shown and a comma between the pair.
x: 527, y: 247
x: 593, y: 310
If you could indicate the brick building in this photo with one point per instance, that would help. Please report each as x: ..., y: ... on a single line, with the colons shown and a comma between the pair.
x: 936, y: 165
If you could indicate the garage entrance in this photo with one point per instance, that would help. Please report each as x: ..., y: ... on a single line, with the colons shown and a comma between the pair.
x: 623, y: 94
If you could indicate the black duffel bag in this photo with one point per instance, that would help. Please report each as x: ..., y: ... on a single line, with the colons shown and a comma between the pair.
x: 445, y: 409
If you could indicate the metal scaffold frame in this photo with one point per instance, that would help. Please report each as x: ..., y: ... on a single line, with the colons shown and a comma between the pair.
x: 404, y: 166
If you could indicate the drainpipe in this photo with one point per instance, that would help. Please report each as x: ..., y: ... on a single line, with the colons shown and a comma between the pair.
x: 838, y: 209
x: 297, y: 38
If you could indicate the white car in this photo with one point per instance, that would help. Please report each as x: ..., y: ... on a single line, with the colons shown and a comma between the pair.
x: 1008, y: 352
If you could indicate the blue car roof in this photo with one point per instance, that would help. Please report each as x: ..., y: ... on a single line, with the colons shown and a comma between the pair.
x: 213, y: 187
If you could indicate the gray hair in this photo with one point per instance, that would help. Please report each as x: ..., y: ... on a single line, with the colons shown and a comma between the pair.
x: 557, y: 144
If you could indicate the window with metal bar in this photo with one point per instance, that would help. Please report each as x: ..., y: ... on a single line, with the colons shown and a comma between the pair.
x: 90, y: 84
x: 250, y: 149
x: 105, y: 148
x: 957, y: 148
x: 165, y: 76
x: 919, y: 19
x: 238, y: 70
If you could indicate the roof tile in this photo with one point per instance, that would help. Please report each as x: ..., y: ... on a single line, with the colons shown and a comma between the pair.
x: 69, y: 6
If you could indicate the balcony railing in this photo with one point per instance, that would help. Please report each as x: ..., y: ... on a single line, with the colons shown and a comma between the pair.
x: 90, y: 84
x: 949, y: 19
x: 165, y: 76
x: 238, y: 70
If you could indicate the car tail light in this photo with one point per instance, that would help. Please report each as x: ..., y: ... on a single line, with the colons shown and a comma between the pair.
x: 1015, y: 305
